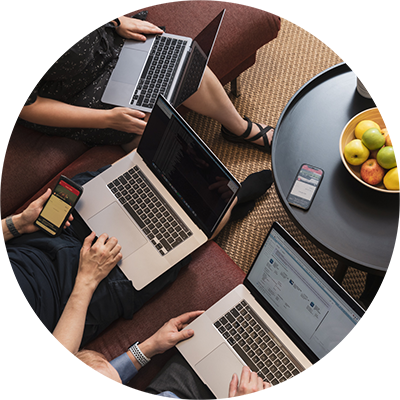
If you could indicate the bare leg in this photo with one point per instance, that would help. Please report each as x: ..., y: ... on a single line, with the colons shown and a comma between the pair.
x: 212, y: 101
x: 224, y: 220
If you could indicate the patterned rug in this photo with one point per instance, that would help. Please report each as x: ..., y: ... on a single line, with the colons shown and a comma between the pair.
x: 283, y: 66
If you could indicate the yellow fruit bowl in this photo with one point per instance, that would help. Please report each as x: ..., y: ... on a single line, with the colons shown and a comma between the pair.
x: 348, y: 135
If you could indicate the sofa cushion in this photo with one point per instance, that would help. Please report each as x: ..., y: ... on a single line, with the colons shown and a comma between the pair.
x: 91, y: 160
x: 243, y: 31
x: 210, y: 275
x: 31, y: 160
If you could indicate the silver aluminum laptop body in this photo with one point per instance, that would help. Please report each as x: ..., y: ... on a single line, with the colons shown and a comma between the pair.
x: 167, y: 142
x: 296, y: 302
x: 127, y: 82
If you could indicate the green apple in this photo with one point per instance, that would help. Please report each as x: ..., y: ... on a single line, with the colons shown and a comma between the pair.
x: 355, y: 152
x: 389, y: 157
x: 373, y: 139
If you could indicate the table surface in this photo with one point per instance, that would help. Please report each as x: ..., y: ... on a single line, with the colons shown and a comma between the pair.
x: 349, y: 221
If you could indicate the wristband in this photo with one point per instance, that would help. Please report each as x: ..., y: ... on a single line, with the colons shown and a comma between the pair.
x: 140, y: 357
x: 117, y: 21
x: 11, y: 227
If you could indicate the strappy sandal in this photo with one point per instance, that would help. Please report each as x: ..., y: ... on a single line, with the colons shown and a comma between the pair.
x: 231, y: 137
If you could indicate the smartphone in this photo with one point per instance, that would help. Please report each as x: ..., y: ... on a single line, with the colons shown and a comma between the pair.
x: 59, y: 206
x: 305, y: 186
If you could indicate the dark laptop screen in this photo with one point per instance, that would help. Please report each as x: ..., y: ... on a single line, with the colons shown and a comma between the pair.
x: 188, y: 169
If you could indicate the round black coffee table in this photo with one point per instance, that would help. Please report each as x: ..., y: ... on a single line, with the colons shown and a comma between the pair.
x: 354, y: 224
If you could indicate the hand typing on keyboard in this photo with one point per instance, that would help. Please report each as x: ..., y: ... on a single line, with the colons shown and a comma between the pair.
x: 249, y: 382
x: 135, y: 29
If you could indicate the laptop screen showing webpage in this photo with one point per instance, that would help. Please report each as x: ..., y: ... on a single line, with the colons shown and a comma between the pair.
x: 338, y: 331
x: 186, y: 166
x: 300, y: 296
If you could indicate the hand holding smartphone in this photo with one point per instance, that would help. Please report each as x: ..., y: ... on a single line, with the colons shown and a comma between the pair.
x: 305, y: 186
x: 59, y: 206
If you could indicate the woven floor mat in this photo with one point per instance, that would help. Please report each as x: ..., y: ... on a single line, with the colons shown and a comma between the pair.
x: 283, y: 66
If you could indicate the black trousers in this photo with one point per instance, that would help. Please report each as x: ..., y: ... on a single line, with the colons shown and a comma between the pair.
x: 179, y: 378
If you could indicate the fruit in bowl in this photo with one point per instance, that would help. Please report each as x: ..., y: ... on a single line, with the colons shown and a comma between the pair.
x: 386, y: 157
x: 363, y: 126
x: 371, y: 172
x: 373, y: 139
x: 367, y: 152
x: 391, y: 179
x: 355, y: 152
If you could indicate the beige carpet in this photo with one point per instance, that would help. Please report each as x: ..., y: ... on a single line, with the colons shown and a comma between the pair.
x: 282, y: 67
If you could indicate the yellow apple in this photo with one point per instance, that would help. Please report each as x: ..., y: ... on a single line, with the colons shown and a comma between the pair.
x: 363, y: 126
x: 355, y: 152
x: 391, y: 179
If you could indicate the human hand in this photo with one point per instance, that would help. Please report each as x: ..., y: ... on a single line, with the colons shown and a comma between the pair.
x: 135, y: 29
x: 97, y: 260
x: 126, y: 120
x: 169, y: 335
x: 24, y: 222
x: 250, y: 382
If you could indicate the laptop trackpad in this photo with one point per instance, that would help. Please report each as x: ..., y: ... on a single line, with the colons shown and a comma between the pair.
x: 114, y: 222
x: 228, y: 364
x: 129, y: 66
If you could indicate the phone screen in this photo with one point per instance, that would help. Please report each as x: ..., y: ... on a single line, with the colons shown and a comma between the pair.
x: 305, y: 186
x: 58, y: 207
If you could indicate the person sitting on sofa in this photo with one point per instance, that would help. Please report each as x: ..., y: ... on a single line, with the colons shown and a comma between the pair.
x: 66, y: 283
x: 177, y: 379
x: 49, y: 269
x: 67, y: 100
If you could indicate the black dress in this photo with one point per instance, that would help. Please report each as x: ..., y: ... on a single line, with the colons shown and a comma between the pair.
x: 79, y: 78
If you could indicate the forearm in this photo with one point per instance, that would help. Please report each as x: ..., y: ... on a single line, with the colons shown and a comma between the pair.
x: 18, y: 224
x: 70, y: 327
x: 61, y: 115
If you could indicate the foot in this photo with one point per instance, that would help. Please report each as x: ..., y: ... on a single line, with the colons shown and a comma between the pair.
x: 242, y: 210
x: 256, y: 134
x: 253, y: 187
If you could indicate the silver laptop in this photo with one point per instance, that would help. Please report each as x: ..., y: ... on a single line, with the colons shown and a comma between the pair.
x: 160, y: 201
x: 288, y: 313
x: 168, y: 64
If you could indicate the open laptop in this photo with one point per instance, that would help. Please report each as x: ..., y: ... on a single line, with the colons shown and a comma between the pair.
x: 160, y: 201
x: 167, y: 64
x: 288, y: 314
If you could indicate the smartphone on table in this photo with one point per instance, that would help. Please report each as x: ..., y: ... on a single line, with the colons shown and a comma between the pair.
x: 59, y: 206
x: 305, y: 186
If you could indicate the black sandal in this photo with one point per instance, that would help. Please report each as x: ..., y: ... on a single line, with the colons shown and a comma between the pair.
x: 231, y: 137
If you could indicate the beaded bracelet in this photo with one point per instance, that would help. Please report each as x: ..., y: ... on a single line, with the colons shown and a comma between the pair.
x: 137, y: 353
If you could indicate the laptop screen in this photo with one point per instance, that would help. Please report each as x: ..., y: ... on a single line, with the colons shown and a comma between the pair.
x: 187, y: 168
x: 302, y: 294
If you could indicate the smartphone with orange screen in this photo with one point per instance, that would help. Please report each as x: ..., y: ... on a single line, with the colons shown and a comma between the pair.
x: 59, y: 206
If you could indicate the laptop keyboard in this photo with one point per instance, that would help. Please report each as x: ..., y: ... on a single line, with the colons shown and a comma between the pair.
x: 192, y: 77
x: 159, y: 70
x: 244, y: 331
x: 146, y: 206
